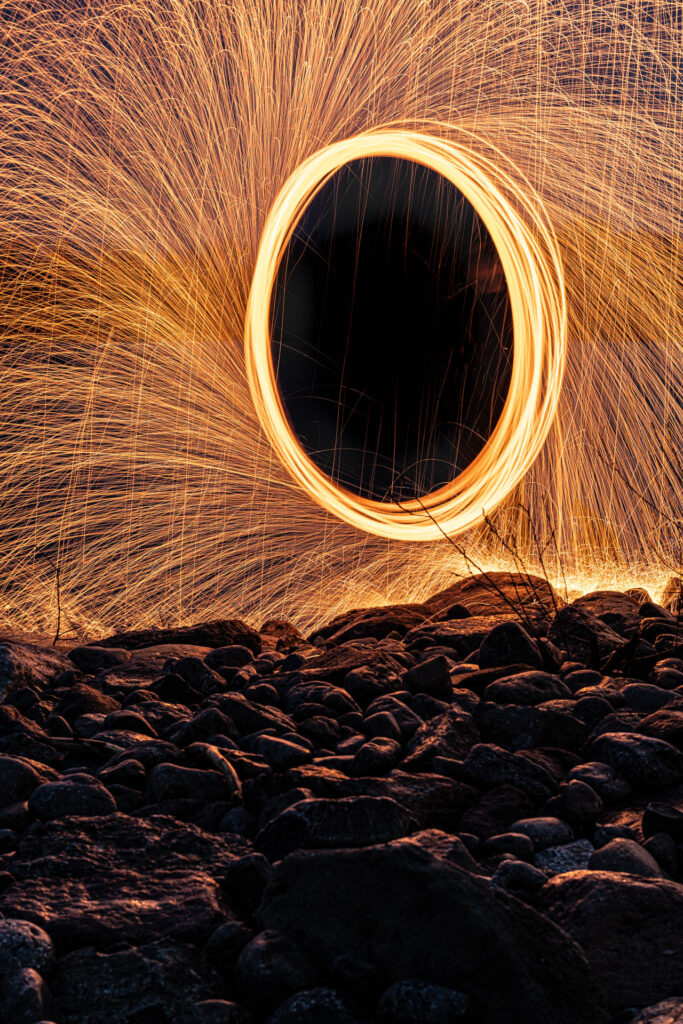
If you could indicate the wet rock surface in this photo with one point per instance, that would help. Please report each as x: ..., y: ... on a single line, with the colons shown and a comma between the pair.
x: 464, y: 810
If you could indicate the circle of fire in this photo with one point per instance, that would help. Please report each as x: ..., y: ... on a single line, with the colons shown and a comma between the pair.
x: 528, y: 252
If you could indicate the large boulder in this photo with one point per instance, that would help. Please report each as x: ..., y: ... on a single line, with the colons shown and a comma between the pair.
x: 217, y: 633
x: 371, y: 622
x: 157, y: 982
x: 462, y: 635
x: 630, y: 928
x: 26, y: 664
x: 322, y: 824
x: 499, y: 593
x: 405, y: 914
x: 100, y: 881
x: 584, y: 636
x: 335, y: 664
x: 669, y: 1011
x: 645, y: 762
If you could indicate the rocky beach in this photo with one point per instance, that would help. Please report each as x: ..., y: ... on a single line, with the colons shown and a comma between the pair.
x: 464, y: 811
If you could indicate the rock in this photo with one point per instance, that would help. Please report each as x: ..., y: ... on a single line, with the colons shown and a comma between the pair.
x: 625, y: 855
x: 495, y: 811
x: 498, y: 593
x: 669, y: 1011
x: 249, y: 717
x: 18, y: 779
x: 104, y: 880
x: 521, y: 728
x: 282, y: 754
x: 607, y: 603
x: 219, y: 1011
x: 432, y: 801
x: 598, y: 910
x: 271, y: 967
x: 450, y: 734
x: 71, y: 797
x: 157, y: 982
x: 526, y: 689
x: 516, y: 843
x: 584, y: 636
x: 440, y: 844
x: 232, y: 656
x: 372, y: 622
x: 663, y: 848
x: 672, y: 595
x: 23, y: 944
x: 509, y: 644
x: 322, y: 824
x: 463, y: 636
x: 406, y: 1002
x: 327, y: 695
x: 217, y: 633
x: 91, y: 660
x: 314, y: 1006
x: 429, y: 707
x: 646, y: 698
x: 383, y: 724
x: 406, y: 719
x: 377, y: 757
x: 581, y: 804
x: 25, y: 998
x: 244, y: 882
x: 662, y: 817
x: 26, y: 664
x: 487, y: 766
x: 407, y: 914
x: 544, y: 831
x: 226, y: 943
x: 666, y: 725
x: 574, y: 856
x: 365, y: 687
x: 611, y: 787
x: 647, y: 763
x: 201, y: 726
x: 591, y: 708
x: 518, y: 878
x: 84, y: 700
x: 215, y: 758
x: 668, y: 673
x: 197, y: 673
x: 334, y: 665
x: 432, y: 677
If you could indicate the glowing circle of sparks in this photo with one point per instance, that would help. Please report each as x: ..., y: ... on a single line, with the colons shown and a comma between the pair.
x: 525, y: 242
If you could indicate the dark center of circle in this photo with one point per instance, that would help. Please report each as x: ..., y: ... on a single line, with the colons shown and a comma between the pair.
x: 391, y: 330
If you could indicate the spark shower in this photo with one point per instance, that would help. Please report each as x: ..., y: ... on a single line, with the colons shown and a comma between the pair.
x: 152, y: 157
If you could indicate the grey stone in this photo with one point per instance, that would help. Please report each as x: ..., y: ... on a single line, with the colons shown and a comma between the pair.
x: 574, y: 856
x: 406, y: 1002
x: 24, y: 944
